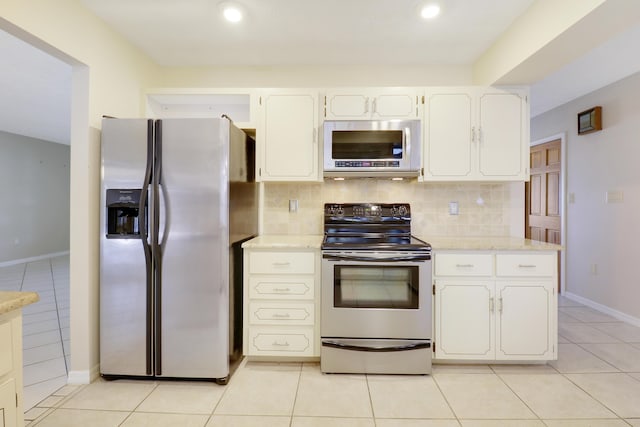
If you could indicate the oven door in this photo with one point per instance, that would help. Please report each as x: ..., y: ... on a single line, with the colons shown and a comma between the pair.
x: 376, y: 295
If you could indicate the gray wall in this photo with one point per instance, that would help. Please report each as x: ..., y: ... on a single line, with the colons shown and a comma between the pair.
x: 34, y: 190
x: 602, y: 237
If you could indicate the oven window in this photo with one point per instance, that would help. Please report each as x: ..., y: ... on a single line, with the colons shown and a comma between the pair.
x: 376, y: 287
x: 366, y: 145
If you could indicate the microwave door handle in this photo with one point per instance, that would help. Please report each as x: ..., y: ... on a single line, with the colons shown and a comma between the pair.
x: 406, y: 141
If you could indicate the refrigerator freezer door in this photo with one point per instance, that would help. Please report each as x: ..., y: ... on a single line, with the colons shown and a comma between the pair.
x: 194, y: 236
x: 124, y: 323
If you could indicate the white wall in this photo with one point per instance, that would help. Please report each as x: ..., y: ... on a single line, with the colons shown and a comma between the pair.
x: 109, y: 77
x: 34, y: 188
x: 598, y: 233
x: 314, y: 76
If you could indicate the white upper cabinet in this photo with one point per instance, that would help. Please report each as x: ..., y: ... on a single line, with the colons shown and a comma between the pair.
x: 287, y: 139
x: 372, y: 103
x: 476, y: 134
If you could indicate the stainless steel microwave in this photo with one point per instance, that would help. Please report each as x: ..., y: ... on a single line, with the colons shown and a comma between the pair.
x: 372, y: 148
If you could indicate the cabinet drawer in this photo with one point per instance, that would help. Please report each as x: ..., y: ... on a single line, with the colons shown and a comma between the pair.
x: 276, y: 313
x: 526, y: 264
x: 451, y: 264
x: 6, y: 355
x: 286, y: 287
x: 281, y: 262
x: 266, y: 341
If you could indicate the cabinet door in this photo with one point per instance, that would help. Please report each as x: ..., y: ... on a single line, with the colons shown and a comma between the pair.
x: 372, y: 104
x: 464, y: 319
x: 525, y: 320
x: 448, y: 151
x: 348, y: 105
x: 8, y: 411
x: 503, y: 136
x: 289, y: 146
x: 395, y: 106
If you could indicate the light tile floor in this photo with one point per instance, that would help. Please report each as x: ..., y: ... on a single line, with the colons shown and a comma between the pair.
x: 45, y: 327
x: 595, y: 382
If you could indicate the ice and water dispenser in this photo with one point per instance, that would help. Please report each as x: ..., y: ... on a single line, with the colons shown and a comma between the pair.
x: 123, y: 214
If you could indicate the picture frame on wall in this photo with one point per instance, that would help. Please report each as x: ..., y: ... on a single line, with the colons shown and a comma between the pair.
x: 590, y: 120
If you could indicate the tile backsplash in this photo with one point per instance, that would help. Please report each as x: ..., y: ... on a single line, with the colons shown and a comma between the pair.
x: 484, y: 208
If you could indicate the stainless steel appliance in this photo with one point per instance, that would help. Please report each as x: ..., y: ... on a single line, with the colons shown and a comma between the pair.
x: 376, y: 291
x: 178, y: 199
x: 371, y: 148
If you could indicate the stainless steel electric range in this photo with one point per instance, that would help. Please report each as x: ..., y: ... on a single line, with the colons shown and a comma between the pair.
x: 376, y: 291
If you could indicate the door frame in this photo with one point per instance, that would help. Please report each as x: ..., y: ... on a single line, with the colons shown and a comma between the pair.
x: 563, y: 201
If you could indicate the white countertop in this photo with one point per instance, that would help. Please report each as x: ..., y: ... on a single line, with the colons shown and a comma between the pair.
x: 276, y: 241
x: 10, y: 301
x: 489, y: 243
x: 476, y: 243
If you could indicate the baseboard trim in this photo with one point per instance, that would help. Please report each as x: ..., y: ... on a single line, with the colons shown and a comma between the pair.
x: 83, y: 377
x: 31, y: 259
x: 603, y: 308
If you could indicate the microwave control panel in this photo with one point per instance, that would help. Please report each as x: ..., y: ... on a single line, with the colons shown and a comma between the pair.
x: 367, y: 164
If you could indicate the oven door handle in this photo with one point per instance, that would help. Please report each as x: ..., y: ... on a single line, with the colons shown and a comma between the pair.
x: 377, y: 349
x: 341, y: 257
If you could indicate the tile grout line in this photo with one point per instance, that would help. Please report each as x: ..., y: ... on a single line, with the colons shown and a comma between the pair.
x: 55, y: 298
x: 295, y: 398
x: 24, y: 274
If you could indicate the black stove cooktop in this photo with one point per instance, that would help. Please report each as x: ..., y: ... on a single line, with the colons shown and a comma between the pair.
x: 369, y: 226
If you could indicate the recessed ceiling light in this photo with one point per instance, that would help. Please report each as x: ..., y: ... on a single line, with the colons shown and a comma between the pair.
x: 232, y: 12
x: 430, y: 11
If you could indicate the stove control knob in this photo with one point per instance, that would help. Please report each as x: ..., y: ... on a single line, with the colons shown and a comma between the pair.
x: 402, y: 210
x: 340, y: 210
x: 394, y: 211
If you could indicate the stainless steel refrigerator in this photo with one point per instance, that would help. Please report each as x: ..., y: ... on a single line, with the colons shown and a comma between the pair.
x: 178, y: 198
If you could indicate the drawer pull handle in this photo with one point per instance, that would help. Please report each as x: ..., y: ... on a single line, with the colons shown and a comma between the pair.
x: 491, y: 305
x: 282, y: 289
x: 281, y: 316
x: 281, y: 264
x: 280, y: 344
x: 526, y: 266
x: 464, y: 265
x: 500, y: 305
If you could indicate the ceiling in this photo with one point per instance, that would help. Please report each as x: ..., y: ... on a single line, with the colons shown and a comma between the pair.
x: 304, y: 32
x: 36, y: 92
x: 36, y: 86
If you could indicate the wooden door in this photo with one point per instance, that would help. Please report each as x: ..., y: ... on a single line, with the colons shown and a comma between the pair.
x: 542, y: 221
x: 542, y: 195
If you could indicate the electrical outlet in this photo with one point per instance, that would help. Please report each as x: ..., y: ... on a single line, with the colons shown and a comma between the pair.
x: 453, y: 208
x: 293, y: 205
x: 594, y: 269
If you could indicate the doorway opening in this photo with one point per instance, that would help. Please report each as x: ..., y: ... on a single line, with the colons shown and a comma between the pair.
x: 545, y: 202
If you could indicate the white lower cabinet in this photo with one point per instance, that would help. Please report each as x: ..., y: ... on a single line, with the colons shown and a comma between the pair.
x: 507, y: 314
x: 524, y: 317
x: 281, y: 303
x: 11, y: 369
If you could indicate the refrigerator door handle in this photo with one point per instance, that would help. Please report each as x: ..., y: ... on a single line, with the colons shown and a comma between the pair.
x: 157, y: 248
x: 143, y: 213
